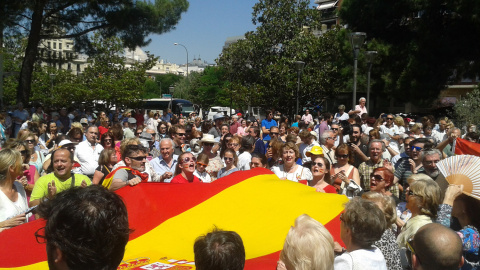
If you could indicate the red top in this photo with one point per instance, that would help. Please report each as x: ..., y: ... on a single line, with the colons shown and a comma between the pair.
x: 179, y: 179
x: 329, y: 189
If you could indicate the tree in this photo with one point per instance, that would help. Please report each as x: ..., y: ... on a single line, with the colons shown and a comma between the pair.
x: 465, y: 106
x: 49, y: 19
x: 109, y: 79
x: 428, y: 44
x: 261, y: 67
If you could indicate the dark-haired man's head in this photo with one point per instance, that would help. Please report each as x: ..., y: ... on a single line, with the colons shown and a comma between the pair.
x: 219, y: 250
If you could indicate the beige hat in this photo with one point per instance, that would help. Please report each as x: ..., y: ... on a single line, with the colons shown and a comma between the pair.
x: 207, y: 138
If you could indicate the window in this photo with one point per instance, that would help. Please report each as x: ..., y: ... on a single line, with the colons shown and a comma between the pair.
x: 59, y: 65
x: 69, y: 66
x: 54, y: 45
x: 78, y: 67
x: 59, y: 46
x: 60, y: 55
x: 49, y: 45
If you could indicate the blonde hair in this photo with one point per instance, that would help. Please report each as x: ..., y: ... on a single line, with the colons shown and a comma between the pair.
x: 398, y: 120
x: 308, y: 245
x: 386, y: 203
x: 9, y: 158
x: 76, y: 125
x: 126, y: 142
x: 427, y: 194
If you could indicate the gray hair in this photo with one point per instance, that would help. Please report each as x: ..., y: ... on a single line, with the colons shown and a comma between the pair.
x: 431, y: 152
x: 376, y: 141
x: 325, y: 135
x: 167, y: 140
x: 362, y: 98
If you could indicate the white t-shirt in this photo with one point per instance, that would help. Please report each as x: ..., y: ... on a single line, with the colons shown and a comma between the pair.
x: 9, y: 209
x: 204, y: 177
x: 300, y: 173
x: 244, y: 159
x: 363, y: 259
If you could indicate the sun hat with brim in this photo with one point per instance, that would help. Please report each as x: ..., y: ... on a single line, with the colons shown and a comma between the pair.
x: 146, y: 136
x: 132, y: 120
x: 65, y: 142
x: 207, y: 138
x: 315, y: 151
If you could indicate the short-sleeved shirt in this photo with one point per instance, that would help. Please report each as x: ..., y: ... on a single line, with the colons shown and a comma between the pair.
x: 366, y: 169
x: 179, y: 179
x: 268, y: 124
x: 124, y: 175
x: 40, y: 189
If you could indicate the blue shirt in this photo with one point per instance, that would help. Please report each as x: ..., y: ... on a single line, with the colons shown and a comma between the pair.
x: 161, y: 167
x: 268, y: 124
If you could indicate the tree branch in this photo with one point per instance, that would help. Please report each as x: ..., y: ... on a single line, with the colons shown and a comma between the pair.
x: 76, y: 34
x: 59, y: 8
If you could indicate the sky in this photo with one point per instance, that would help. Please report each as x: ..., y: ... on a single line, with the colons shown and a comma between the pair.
x: 203, y: 30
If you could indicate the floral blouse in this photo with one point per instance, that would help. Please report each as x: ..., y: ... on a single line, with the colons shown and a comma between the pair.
x: 469, y: 235
x: 214, y: 165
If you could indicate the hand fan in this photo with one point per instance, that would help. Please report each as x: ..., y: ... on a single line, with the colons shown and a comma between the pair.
x: 462, y: 170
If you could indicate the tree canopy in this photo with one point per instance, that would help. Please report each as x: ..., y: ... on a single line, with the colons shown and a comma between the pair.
x: 261, y: 67
x: 49, y: 19
x: 426, y: 43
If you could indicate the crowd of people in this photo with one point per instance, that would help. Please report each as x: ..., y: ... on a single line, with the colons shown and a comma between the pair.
x: 385, y: 165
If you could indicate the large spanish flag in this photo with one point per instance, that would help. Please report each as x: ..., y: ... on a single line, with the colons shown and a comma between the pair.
x: 464, y: 147
x: 167, y: 218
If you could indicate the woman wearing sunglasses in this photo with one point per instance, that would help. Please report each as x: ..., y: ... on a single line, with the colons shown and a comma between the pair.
x: 185, y: 169
x: 36, y: 158
x: 230, y: 158
x: 345, y: 177
x: 214, y: 161
x: 423, y: 199
x: 321, y: 172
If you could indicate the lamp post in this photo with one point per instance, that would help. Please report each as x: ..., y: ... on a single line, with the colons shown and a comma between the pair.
x: 370, y: 55
x: 171, y: 88
x: 300, y: 65
x: 356, y: 39
x: 187, y: 54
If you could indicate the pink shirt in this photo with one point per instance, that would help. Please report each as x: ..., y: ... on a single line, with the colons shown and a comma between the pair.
x: 362, y: 110
x: 307, y: 118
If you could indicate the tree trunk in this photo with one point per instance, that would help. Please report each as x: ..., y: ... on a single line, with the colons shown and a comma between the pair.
x: 25, y: 82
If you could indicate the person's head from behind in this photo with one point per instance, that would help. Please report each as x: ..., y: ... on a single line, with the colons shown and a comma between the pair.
x: 86, y: 228
x: 308, y: 245
x: 436, y: 247
x: 424, y: 197
x: 386, y: 204
x: 362, y: 223
x: 219, y: 250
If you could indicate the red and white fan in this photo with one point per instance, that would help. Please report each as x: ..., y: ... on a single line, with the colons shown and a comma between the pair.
x: 462, y: 170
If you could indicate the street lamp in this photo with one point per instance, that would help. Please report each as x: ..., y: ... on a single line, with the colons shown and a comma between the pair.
x: 186, y: 51
x: 370, y: 55
x: 356, y: 39
x: 299, y: 65
x: 171, y: 88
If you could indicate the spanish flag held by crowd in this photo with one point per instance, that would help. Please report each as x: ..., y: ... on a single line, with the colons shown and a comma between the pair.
x: 464, y: 147
x: 167, y: 218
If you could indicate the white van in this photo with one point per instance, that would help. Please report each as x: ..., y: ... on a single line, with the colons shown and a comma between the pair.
x: 217, y: 109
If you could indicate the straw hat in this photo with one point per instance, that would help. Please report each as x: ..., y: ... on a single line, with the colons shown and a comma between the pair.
x: 207, y: 138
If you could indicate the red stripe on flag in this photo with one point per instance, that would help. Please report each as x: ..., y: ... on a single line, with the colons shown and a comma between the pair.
x: 464, y: 147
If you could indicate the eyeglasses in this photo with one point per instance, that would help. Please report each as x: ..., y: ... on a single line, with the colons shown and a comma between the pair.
x: 188, y: 159
x: 319, y: 164
x: 23, y: 152
x: 416, y: 148
x: 40, y: 236
x: 207, y: 144
x: 139, y: 158
x: 376, y: 177
x: 181, y: 134
x: 202, y: 164
x: 331, y: 138
x: 228, y: 158
x: 29, y: 141
x: 342, y: 156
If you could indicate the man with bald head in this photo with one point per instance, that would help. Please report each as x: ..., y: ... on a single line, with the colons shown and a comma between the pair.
x: 436, y: 247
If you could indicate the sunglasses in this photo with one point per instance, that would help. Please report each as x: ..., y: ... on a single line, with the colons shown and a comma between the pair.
x: 208, y: 144
x: 335, y: 129
x: 342, y: 156
x: 416, y: 148
x: 138, y: 133
x: 319, y: 164
x: 389, y: 118
x: 202, y: 164
x: 139, y: 158
x: 227, y: 158
x: 29, y: 141
x: 377, y: 178
x: 181, y: 134
x: 188, y: 159
x: 274, y: 133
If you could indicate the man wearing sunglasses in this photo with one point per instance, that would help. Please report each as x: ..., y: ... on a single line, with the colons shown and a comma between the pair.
x: 178, y: 135
x: 135, y: 157
x: 435, y: 247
